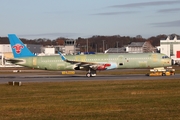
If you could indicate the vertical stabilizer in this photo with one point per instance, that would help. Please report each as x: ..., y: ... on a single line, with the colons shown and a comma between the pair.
x: 18, y: 48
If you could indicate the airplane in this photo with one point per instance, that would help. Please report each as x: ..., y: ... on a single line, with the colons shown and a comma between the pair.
x: 90, y: 63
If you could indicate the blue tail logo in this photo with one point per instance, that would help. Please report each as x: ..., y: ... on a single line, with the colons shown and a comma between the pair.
x: 18, y: 48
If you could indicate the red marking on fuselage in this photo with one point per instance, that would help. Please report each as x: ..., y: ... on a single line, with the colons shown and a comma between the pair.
x: 18, y: 48
x: 103, y: 67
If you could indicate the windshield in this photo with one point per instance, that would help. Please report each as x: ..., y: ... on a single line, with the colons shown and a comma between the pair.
x: 165, y: 57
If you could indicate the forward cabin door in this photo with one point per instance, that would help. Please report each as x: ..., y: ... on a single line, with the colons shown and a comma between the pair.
x: 121, y: 61
x: 154, y: 59
x: 34, y: 62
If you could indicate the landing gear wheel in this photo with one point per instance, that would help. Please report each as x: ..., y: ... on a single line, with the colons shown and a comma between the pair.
x: 164, y: 74
x: 91, y: 73
x: 88, y: 75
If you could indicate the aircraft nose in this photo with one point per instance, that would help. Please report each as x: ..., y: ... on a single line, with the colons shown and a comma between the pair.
x: 169, y: 62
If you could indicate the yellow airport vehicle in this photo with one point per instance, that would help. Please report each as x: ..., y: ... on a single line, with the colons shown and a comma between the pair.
x: 161, y: 72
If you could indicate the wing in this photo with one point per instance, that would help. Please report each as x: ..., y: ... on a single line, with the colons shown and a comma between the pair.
x: 87, y: 65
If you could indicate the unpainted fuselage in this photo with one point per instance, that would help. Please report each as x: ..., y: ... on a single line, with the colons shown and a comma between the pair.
x: 117, y: 61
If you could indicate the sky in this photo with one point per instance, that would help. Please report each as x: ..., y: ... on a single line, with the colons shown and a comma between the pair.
x: 33, y: 19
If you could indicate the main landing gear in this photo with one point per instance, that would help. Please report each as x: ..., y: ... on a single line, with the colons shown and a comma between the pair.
x: 91, y: 73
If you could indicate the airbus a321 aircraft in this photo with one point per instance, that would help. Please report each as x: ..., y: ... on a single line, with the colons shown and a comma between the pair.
x: 90, y: 63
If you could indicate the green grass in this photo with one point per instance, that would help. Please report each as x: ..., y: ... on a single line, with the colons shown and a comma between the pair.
x: 90, y: 100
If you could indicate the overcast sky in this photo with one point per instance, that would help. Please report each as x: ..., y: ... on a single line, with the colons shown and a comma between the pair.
x: 84, y: 18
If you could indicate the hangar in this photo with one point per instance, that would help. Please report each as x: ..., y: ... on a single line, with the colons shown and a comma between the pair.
x: 171, y: 47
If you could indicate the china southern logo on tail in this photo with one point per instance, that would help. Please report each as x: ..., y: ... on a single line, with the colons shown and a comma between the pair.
x: 18, y: 48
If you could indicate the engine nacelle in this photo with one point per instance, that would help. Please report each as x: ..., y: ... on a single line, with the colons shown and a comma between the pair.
x: 79, y: 68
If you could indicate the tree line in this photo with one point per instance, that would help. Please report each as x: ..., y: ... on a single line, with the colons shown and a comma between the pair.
x: 95, y: 43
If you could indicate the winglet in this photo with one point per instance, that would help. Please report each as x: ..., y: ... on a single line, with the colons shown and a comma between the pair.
x: 62, y: 57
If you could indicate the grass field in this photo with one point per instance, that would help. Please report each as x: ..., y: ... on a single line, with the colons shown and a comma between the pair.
x: 92, y: 100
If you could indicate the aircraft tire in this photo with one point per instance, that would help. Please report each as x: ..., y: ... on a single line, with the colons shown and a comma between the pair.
x: 163, y: 74
x: 88, y: 75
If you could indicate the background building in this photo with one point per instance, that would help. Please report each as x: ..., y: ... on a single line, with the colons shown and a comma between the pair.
x: 69, y: 47
x: 171, y: 47
x: 140, y: 47
x: 50, y: 50
x: 116, y: 50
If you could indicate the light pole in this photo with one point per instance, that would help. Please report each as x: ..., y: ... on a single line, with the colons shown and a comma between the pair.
x: 87, y: 45
x: 2, y: 55
x: 103, y: 46
x: 117, y: 46
x: 96, y: 48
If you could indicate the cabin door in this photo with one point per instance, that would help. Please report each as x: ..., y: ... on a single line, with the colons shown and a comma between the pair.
x: 34, y: 61
x: 121, y: 61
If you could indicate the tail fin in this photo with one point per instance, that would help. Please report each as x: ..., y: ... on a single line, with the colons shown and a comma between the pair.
x: 18, y: 48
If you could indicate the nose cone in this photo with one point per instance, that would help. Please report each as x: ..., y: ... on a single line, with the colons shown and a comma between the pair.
x: 167, y: 63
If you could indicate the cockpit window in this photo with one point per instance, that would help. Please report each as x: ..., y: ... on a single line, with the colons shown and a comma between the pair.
x: 165, y: 57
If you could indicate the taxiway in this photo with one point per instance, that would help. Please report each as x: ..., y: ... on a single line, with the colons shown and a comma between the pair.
x: 25, y: 78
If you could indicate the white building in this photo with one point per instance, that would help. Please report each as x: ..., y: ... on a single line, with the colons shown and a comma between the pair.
x: 50, y: 50
x: 171, y: 47
x: 69, y: 47
x: 140, y: 47
x: 5, y: 48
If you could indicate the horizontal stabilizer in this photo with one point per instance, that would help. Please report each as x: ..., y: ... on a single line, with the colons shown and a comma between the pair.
x: 14, y: 61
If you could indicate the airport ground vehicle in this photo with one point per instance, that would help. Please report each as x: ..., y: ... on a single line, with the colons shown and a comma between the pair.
x: 161, y: 72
